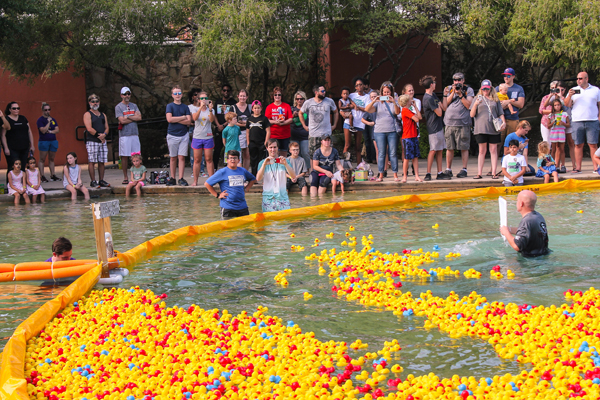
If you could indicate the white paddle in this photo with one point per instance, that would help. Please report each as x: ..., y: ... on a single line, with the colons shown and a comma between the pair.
x: 503, y: 213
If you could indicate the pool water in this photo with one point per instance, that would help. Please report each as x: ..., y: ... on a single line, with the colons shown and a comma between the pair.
x: 234, y: 270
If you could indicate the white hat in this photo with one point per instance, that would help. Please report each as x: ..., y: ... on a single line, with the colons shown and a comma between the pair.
x: 125, y: 89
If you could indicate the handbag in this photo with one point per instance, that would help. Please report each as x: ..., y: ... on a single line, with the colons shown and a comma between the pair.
x: 496, y: 121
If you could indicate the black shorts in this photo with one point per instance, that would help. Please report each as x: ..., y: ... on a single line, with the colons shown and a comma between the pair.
x: 227, y: 213
x: 319, y: 181
x: 300, y: 181
x: 283, y: 144
x: 482, y: 138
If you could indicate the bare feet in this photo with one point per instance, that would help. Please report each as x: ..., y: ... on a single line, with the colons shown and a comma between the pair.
x: 417, y: 179
x: 403, y: 180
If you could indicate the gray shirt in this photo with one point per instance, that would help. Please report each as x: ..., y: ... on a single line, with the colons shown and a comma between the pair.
x: 456, y: 113
x: 483, y: 121
x: 319, y: 122
x: 385, y: 121
x: 532, y: 235
x: 298, y: 165
x: 122, y: 110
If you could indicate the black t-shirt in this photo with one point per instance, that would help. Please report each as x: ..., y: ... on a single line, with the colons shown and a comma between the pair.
x: 257, y: 128
x: 328, y: 162
x: 243, y: 116
x: 298, y: 131
x: 532, y: 235
x: 17, y: 138
x: 434, y: 123
x: 221, y: 108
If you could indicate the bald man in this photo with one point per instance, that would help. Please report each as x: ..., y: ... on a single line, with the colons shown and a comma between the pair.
x: 531, y: 237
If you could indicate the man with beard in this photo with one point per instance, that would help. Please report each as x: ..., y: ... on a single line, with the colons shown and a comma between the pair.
x: 319, y: 109
x: 96, y: 129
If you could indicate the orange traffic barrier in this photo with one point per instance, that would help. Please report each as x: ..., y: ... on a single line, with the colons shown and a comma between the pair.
x: 33, y: 271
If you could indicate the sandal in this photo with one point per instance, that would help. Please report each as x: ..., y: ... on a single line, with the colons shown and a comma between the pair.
x: 125, y: 182
x: 496, y: 176
x: 477, y: 177
x: 378, y: 180
x: 489, y: 174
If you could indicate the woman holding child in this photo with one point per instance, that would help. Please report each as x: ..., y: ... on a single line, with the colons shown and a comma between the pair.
x: 484, y: 110
x: 273, y: 169
x: 385, y: 110
x: 324, y: 159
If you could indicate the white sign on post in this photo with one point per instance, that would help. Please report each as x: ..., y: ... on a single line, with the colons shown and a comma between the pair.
x: 503, y: 213
x: 107, y: 209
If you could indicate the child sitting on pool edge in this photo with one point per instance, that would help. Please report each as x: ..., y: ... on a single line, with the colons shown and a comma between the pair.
x: 545, y: 163
x: 138, y: 175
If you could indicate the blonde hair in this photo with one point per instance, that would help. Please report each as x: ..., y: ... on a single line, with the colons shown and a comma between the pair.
x: 44, y: 104
x: 493, y: 94
x: 524, y: 124
x: 541, y: 146
x: 301, y: 93
x: 503, y: 86
x: 403, y: 100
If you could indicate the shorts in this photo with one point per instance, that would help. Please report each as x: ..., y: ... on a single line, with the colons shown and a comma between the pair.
x: 97, y: 152
x: 483, y: 138
x: 128, y: 145
x: 318, y: 180
x: 508, y: 184
x: 178, y: 145
x: 244, y: 140
x: 283, y: 144
x: 198, y: 144
x: 458, y: 137
x: 583, y: 130
x: 48, y: 145
x: 550, y: 169
x: 227, y: 213
x: 437, y: 141
x: 411, y: 148
x: 347, y: 124
x: 300, y: 181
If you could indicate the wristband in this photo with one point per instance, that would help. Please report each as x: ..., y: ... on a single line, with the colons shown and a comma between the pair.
x: 217, y: 195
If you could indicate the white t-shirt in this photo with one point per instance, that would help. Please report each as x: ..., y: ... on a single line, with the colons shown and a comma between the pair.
x: 513, y: 165
x: 585, y: 104
x: 357, y: 115
x: 202, y: 126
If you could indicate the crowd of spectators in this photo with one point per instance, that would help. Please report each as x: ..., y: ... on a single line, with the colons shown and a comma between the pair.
x: 385, y: 125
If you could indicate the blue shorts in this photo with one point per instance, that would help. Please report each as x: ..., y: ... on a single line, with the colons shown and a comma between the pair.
x: 283, y: 144
x: 48, y: 145
x: 198, y: 144
x: 347, y: 126
x: 583, y: 130
x: 411, y: 148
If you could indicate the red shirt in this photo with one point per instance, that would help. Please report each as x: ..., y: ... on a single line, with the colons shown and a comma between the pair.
x: 409, y: 126
x: 281, y: 112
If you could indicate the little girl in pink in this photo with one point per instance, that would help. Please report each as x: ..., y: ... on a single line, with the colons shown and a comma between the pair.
x: 16, y: 183
x: 34, y: 184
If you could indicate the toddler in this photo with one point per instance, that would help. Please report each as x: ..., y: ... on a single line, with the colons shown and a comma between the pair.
x: 138, y: 175
x: 17, y: 183
x: 545, y: 163
x: 342, y: 177
x: 34, y: 184
x: 503, y: 95
x: 231, y: 135
x: 345, y: 105
x: 72, y: 177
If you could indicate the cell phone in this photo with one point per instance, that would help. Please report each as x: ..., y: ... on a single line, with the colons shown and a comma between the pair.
x: 577, y: 91
x: 384, y: 98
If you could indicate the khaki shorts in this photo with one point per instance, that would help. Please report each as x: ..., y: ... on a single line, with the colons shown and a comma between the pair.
x: 458, y: 137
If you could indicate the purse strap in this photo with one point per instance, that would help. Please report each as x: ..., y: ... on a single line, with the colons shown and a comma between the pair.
x: 488, y: 106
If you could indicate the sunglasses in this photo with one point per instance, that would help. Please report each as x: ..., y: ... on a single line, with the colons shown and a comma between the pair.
x: 299, y: 99
x: 579, y: 79
x: 203, y: 98
x: 15, y: 108
x: 226, y: 90
x: 176, y: 93
x: 322, y: 91
x: 457, y: 80
x: 47, y: 109
x: 277, y: 95
x: 359, y: 84
x: 127, y: 94
x: 94, y: 101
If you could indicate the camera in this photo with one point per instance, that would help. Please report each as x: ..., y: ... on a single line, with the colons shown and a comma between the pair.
x: 554, y: 90
x: 277, y: 160
x: 458, y: 86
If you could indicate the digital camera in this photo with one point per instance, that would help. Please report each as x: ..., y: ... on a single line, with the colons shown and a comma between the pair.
x: 458, y: 86
x: 554, y: 90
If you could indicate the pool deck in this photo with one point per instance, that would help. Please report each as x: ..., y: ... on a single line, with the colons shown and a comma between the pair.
x: 114, y: 176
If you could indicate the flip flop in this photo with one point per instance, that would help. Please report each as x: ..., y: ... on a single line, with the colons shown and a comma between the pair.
x: 496, y: 176
x: 489, y: 174
x: 477, y: 177
x: 125, y: 182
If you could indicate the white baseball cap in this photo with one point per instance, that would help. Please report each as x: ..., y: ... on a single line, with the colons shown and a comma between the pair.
x: 125, y: 89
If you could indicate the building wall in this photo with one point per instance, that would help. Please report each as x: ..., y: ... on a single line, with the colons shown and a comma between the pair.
x: 66, y: 96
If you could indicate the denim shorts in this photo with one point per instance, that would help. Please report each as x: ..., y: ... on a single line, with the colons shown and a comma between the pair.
x: 583, y: 130
x: 48, y: 145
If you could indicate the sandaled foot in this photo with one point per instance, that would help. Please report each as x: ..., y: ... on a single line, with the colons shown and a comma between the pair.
x: 477, y: 177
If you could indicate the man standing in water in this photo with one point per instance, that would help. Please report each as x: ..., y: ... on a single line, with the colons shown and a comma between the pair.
x: 531, y: 237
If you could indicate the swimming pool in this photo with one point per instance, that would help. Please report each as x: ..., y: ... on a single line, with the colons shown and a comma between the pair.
x: 234, y: 270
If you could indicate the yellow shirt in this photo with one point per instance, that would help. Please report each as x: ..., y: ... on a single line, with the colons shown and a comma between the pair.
x: 502, y: 97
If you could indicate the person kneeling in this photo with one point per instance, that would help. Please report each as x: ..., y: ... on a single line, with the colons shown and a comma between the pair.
x: 513, y: 165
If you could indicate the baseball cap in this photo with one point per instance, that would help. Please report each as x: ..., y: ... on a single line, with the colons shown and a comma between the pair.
x: 125, y: 89
x: 509, y: 71
x: 486, y: 83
